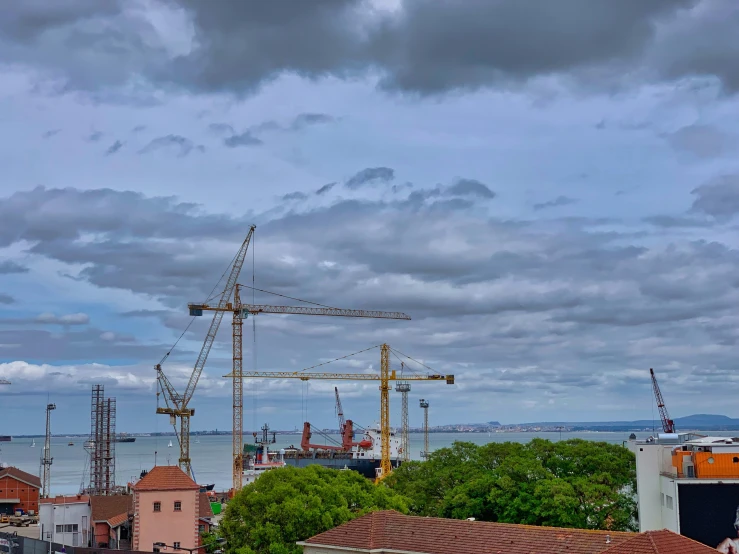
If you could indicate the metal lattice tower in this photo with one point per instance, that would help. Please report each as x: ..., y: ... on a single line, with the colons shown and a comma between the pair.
x: 47, y: 459
x: 425, y: 452
x: 237, y: 440
x: 108, y: 446
x: 96, y: 440
x: 404, y: 388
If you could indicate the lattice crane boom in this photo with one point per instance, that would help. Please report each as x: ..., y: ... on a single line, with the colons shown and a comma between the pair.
x: 340, y: 412
x: 4, y: 382
x: 668, y: 425
x: 385, y: 376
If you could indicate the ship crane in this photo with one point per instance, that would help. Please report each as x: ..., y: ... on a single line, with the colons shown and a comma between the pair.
x: 177, y: 405
x: 385, y: 376
x: 240, y: 312
x: 668, y: 426
x: 340, y: 412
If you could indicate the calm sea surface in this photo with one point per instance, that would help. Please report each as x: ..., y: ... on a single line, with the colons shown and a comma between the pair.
x: 211, y: 456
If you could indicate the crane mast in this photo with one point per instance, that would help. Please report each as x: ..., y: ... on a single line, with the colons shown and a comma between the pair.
x: 340, y: 412
x: 178, y: 405
x: 668, y: 426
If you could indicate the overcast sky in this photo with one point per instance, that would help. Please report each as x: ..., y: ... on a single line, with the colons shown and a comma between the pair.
x: 549, y: 189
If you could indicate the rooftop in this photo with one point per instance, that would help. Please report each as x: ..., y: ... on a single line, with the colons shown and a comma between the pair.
x: 20, y: 475
x: 109, y: 508
x: 660, y: 542
x: 165, y: 478
x: 391, y: 530
x: 71, y: 499
x: 205, y: 508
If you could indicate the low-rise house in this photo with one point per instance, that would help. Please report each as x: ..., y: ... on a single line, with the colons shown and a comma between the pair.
x: 166, y: 511
x: 205, y: 515
x: 18, y: 491
x: 389, y: 532
x: 65, y: 519
x: 111, y: 521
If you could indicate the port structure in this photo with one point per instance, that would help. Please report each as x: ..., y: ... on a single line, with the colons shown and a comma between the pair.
x: 102, y: 443
x: 425, y: 406
x: 242, y: 311
x: 46, y: 459
x: 668, y: 426
x: 404, y: 387
x: 384, y: 377
x: 177, y: 405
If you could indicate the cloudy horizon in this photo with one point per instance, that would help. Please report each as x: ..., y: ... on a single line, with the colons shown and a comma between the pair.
x: 551, y: 194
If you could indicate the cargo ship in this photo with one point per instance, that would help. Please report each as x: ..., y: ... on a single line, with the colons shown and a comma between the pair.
x: 363, y: 456
x: 123, y: 437
x: 5, y: 438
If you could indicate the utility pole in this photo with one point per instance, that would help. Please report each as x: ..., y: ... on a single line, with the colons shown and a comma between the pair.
x: 425, y: 452
x: 404, y: 388
x: 47, y: 459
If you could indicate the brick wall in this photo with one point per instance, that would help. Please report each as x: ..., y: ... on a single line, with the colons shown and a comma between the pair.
x: 13, y: 488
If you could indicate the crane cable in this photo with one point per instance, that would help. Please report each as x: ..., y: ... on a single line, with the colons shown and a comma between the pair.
x: 341, y: 358
x: 290, y: 297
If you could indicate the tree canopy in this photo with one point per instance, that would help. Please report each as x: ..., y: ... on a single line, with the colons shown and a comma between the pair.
x: 573, y: 483
x: 287, y: 505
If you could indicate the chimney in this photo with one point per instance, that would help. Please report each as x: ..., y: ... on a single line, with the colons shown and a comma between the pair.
x: 608, y: 539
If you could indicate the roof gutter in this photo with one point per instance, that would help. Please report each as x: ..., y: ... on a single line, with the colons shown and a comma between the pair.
x: 362, y: 550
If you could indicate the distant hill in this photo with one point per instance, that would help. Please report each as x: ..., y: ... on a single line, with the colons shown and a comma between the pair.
x: 698, y: 422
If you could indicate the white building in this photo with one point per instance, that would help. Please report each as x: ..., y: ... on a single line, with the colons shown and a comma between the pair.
x: 65, y: 519
x: 689, y: 484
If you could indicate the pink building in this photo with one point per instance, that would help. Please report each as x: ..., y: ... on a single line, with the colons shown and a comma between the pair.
x: 166, y: 505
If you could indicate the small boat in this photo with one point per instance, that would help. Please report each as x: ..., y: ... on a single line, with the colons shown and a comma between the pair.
x: 70, y: 444
x: 33, y: 443
x: 169, y: 445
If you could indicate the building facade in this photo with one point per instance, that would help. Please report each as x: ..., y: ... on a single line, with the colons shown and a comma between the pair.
x: 18, y: 491
x: 166, y: 505
x: 689, y: 484
x: 111, y: 521
x: 65, y: 520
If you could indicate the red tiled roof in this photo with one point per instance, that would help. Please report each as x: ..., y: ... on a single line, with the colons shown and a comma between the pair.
x: 117, y: 520
x: 429, y: 535
x: 205, y: 509
x: 660, y: 542
x: 166, y: 478
x: 105, y: 508
x: 77, y: 499
x: 20, y: 475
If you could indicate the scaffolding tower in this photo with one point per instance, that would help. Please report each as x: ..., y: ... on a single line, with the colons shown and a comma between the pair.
x: 425, y: 452
x: 46, y: 458
x: 101, y: 444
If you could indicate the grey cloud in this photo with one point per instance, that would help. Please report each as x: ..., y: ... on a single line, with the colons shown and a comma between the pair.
x: 9, y: 266
x: 470, y: 187
x: 718, y: 198
x: 590, y: 42
x: 51, y: 133
x: 702, y: 141
x: 182, y: 145
x: 325, y: 188
x: 559, y: 201
x: 244, y: 139
x: 370, y: 175
x: 304, y: 120
x: 6, y: 298
x: 297, y: 195
x: 221, y: 128
x: 94, y: 137
x: 670, y: 221
x: 138, y: 128
x: 113, y: 148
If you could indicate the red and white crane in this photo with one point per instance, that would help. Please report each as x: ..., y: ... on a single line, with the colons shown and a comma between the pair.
x: 668, y: 426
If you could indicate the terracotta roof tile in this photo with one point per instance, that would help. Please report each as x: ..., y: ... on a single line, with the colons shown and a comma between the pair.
x: 165, y: 478
x: 205, y: 509
x: 104, y: 508
x: 115, y: 521
x: 392, y: 530
x: 20, y: 475
x: 660, y: 542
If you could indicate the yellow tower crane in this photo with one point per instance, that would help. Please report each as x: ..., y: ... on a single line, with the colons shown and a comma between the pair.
x: 385, y: 376
x: 240, y: 312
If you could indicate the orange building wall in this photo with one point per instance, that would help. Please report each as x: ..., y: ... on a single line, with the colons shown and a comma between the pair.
x: 12, y: 488
x: 723, y: 465
x: 166, y: 526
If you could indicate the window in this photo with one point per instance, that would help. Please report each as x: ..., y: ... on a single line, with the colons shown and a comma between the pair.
x: 177, y: 506
x: 68, y: 528
x: 201, y: 529
x: 59, y: 528
x: 157, y: 506
x: 669, y: 501
x: 176, y: 544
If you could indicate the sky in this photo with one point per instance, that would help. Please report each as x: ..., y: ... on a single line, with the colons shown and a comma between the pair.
x: 549, y: 190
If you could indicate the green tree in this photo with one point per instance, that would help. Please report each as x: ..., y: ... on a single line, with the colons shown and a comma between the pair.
x: 287, y: 505
x: 574, y: 483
